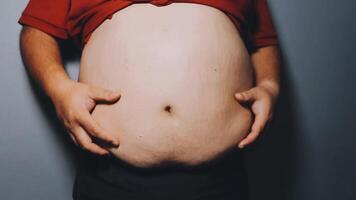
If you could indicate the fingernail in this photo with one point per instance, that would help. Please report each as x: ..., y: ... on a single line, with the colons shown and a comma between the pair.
x: 238, y: 95
x: 114, y: 94
x: 242, y: 145
x: 116, y: 143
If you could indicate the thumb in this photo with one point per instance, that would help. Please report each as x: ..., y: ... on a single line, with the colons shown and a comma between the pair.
x: 99, y: 94
x: 245, y: 96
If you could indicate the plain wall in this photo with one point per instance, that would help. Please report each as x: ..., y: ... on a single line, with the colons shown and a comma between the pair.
x: 307, y: 153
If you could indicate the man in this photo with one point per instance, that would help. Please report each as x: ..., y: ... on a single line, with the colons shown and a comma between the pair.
x: 42, y: 57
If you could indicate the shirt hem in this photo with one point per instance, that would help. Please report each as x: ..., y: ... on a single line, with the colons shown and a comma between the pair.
x: 43, y: 26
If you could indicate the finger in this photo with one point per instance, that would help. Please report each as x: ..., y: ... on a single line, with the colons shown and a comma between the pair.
x: 248, y: 95
x: 99, y: 94
x: 86, y: 142
x: 257, y: 127
x: 95, y: 129
x: 73, y: 139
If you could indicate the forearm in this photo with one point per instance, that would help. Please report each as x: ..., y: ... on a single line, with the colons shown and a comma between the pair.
x: 266, y: 63
x: 41, y: 56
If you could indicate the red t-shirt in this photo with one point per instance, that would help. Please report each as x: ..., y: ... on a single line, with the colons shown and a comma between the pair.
x: 79, y: 18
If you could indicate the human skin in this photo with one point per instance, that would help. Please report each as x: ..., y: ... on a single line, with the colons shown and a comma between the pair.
x: 74, y: 101
x: 187, y: 57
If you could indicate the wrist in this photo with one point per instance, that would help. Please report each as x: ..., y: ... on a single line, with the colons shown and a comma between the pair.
x: 273, y: 87
x: 57, y: 85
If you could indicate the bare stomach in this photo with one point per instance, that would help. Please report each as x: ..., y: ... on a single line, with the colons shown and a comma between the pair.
x: 177, y: 68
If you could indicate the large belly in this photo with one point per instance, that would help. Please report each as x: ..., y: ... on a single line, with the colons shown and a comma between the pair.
x: 177, y: 68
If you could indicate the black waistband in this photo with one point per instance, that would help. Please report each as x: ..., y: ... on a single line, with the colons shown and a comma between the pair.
x: 231, y: 160
x: 111, y: 176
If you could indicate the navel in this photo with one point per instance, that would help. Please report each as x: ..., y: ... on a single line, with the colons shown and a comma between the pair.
x: 168, y: 109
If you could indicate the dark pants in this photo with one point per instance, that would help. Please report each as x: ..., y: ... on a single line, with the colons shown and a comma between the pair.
x: 108, y: 178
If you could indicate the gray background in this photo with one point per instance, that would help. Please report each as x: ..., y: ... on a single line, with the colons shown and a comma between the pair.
x: 307, y: 153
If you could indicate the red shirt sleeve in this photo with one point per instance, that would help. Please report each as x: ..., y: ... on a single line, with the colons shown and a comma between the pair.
x: 262, y: 29
x: 49, y: 16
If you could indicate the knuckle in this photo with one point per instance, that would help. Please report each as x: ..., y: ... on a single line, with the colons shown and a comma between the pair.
x: 69, y: 125
x: 254, y: 135
x: 100, y: 135
x: 79, y: 117
x: 97, y: 131
x: 257, y: 128
x: 71, y: 117
x: 93, y: 129
x: 85, y: 145
x: 90, y: 128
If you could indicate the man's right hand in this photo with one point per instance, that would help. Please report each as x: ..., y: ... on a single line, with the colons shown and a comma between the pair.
x: 74, y: 102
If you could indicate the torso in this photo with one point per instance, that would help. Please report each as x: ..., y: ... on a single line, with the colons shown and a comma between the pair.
x: 177, y: 68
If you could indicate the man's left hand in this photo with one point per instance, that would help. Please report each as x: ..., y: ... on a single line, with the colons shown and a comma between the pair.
x: 263, y: 98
